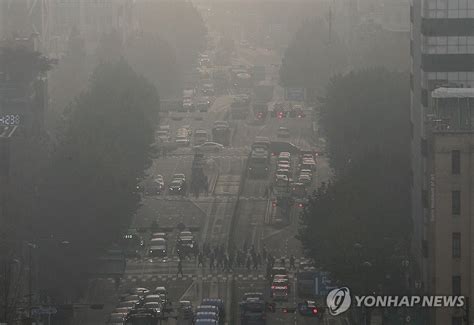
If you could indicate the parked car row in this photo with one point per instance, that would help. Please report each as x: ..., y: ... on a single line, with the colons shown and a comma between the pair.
x: 141, y: 303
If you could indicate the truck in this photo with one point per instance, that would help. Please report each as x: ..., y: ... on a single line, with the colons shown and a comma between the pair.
x: 262, y: 95
x: 221, y: 133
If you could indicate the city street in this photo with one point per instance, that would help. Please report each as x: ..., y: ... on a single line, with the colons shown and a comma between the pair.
x: 233, y: 214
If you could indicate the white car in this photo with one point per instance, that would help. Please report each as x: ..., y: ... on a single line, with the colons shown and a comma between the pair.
x: 209, y: 147
x: 305, y: 179
x: 283, y: 132
x: 179, y: 177
x: 284, y: 154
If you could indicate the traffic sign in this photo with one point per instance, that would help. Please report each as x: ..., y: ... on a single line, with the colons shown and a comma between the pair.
x: 43, y: 310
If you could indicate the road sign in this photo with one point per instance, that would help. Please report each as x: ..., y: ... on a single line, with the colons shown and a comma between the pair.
x: 322, y: 283
x: 43, y: 310
x: 295, y: 94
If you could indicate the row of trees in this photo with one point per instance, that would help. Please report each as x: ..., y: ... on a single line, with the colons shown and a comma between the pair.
x: 87, y: 194
x: 357, y: 226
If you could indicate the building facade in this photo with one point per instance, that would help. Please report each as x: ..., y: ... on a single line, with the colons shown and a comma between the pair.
x: 442, y: 54
x: 450, y: 134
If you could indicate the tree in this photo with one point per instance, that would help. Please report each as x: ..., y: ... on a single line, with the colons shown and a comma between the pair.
x: 311, y: 57
x: 155, y: 59
x: 69, y: 78
x: 88, y: 194
x: 361, y: 218
x: 358, y: 227
x: 366, y: 111
x: 21, y: 65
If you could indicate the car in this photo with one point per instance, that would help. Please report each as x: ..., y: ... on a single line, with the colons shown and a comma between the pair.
x: 307, y: 156
x: 188, y: 105
x: 278, y: 270
x: 152, y: 298
x: 209, y: 147
x: 284, y: 154
x: 164, y: 295
x: 203, y: 104
x: 280, y: 178
x: 129, y: 303
x: 283, y: 159
x: 122, y: 310
x: 207, y: 309
x: 306, y: 172
x: 179, y: 177
x: 156, y: 306
x: 185, y: 309
x: 305, y: 179
x: 206, y: 315
x: 283, y: 132
x: 280, y: 146
x: 253, y: 295
x: 157, y: 251
x: 159, y: 235
x: 176, y: 187
x: 116, y: 319
x: 283, y: 165
x: 139, y: 291
x: 219, y: 303
x: 158, y: 247
x: 200, y: 137
x: 206, y: 322
x: 283, y: 171
x: 132, y: 297
x: 309, y: 308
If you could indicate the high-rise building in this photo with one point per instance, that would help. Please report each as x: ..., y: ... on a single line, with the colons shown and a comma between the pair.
x: 450, y: 167
x: 442, y: 54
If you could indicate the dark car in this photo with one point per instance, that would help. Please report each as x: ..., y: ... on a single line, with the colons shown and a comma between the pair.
x: 185, y: 309
x: 219, y: 303
x: 310, y: 309
x: 177, y: 186
x: 280, y: 146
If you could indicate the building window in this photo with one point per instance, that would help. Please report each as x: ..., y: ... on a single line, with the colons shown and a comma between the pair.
x: 456, y: 244
x: 456, y: 202
x: 456, y: 283
x: 455, y: 162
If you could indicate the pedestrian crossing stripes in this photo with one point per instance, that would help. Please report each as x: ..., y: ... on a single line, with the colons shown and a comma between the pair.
x: 203, y: 277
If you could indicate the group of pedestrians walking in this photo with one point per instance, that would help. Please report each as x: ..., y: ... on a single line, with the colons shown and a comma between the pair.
x: 218, y: 257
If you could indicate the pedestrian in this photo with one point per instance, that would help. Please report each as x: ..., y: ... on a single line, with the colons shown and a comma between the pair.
x: 200, y: 259
x: 211, y: 262
x: 196, y: 251
x: 292, y: 262
x: 180, y: 268
x: 259, y: 259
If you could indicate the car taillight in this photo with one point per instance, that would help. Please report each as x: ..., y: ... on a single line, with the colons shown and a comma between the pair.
x: 274, y: 204
x: 273, y: 287
x: 314, y: 311
x: 285, y: 310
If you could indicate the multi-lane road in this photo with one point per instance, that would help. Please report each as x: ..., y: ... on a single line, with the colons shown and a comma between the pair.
x: 233, y: 213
